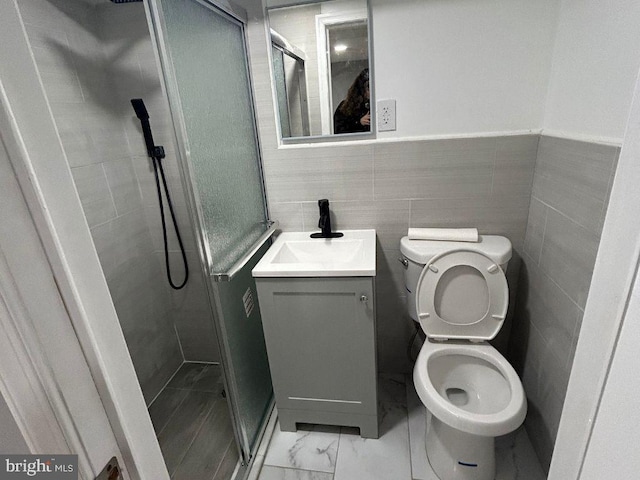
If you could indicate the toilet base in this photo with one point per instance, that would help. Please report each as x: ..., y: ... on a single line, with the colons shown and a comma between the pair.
x: 457, y: 455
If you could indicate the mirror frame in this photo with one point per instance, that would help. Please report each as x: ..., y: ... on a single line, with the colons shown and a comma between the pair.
x: 341, y: 137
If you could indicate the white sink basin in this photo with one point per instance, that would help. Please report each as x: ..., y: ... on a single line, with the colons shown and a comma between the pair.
x: 296, y: 254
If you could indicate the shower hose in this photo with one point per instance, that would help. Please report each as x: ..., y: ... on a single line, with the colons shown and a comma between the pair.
x: 157, y: 165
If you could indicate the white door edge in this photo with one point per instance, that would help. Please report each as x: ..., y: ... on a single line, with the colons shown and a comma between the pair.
x: 43, y: 173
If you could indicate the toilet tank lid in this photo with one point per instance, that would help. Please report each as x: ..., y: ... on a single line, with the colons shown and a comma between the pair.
x: 496, y: 247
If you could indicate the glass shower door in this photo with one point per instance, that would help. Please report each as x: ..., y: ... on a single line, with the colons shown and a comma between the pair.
x: 204, y: 62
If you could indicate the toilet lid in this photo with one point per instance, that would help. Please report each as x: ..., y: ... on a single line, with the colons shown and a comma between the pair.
x: 462, y: 294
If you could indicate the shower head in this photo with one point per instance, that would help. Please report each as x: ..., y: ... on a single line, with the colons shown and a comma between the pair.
x: 141, y: 112
x: 140, y: 109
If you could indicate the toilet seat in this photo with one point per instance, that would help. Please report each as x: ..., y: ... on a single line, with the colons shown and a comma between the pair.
x: 446, y: 316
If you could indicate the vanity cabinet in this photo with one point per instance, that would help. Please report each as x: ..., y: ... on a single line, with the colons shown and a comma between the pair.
x: 320, y: 335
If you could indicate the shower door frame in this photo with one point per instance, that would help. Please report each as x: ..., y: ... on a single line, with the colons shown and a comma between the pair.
x: 157, y: 26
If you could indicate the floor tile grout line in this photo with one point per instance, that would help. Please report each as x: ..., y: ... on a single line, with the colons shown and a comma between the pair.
x: 165, y: 386
x: 406, y: 392
x: 175, y: 410
x: 195, y: 435
x: 224, y: 455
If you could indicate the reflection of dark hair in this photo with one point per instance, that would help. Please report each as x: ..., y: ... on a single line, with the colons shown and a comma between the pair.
x: 356, y: 96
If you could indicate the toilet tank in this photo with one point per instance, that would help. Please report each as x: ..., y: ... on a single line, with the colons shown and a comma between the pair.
x: 417, y: 254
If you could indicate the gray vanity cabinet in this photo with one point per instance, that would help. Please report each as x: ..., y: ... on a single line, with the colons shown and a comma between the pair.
x: 320, y: 335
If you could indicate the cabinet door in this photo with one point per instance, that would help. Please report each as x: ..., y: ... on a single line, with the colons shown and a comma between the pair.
x: 320, y: 337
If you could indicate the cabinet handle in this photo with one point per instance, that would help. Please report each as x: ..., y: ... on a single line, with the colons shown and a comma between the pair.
x: 364, y: 298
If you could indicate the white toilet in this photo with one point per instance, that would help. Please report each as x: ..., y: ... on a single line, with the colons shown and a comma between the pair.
x: 458, y: 293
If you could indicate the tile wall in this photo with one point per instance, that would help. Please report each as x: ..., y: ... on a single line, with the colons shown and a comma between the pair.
x: 135, y: 74
x: 481, y: 182
x: 93, y: 57
x: 569, y: 198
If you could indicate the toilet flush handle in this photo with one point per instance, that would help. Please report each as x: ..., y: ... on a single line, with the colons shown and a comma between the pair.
x: 404, y: 262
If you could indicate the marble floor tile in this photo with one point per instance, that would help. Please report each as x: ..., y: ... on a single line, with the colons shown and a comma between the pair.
x: 312, y: 447
x: 516, y: 459
x: 420, y: 468
x: 279, y: 473
x: 399, y: 454
x: 384, y: 458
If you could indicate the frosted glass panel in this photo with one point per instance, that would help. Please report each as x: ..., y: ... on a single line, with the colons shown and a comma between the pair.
x: 209, y: 59
x: 209, y: 63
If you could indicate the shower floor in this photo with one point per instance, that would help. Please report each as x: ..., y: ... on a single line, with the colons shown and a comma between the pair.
x: 193, y: 426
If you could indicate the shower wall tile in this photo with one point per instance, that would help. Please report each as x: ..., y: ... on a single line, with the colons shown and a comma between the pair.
x: 95, y: 196
x: 123, y: 185
x: 154, y: 222
x: 130, y: 59
x: 191, y: 311
x: 84, y: 82
x: 570, y: 193
x: 120, y: 242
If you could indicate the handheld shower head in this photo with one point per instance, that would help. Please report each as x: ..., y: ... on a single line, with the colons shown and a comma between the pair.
x: 141, y: 112
x: 140, y: 109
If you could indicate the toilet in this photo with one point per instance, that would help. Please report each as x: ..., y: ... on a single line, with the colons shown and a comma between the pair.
x: 458, y: 293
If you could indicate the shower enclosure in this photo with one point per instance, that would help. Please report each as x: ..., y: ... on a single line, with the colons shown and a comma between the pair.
x: 198, y: 352
x: 203, y: 56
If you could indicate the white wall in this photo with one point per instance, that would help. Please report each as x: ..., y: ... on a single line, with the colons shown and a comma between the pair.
x: 595, y: 63
x: 464, y: 66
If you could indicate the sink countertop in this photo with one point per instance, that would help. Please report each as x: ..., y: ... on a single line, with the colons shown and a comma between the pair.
x: 296, y: 254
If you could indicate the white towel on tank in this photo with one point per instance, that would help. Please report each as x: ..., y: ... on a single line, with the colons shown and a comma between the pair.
x: 445, y: 234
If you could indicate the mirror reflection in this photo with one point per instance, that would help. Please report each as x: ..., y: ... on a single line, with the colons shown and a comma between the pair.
x: 320, y: 61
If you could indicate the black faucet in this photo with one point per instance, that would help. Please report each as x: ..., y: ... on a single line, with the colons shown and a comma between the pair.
x: 325, y: 222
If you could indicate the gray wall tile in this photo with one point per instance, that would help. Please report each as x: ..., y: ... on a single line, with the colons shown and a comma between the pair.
x: 123, y: 185
x: 96, y: 199
x: 515, y: 164
x: 536, y: 224
x: 568, y: 255
x: 337, y: 173
x: 570, y: 193
x: 93, y: 57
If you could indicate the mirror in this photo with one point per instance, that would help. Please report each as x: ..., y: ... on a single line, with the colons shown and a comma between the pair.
x: 320, y: 63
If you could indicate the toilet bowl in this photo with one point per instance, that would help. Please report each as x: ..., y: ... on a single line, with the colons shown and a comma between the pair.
x: 459, y: 295
x: 471, y: 388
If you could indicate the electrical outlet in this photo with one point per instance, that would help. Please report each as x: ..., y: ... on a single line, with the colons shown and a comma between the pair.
x: 386, y: 115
